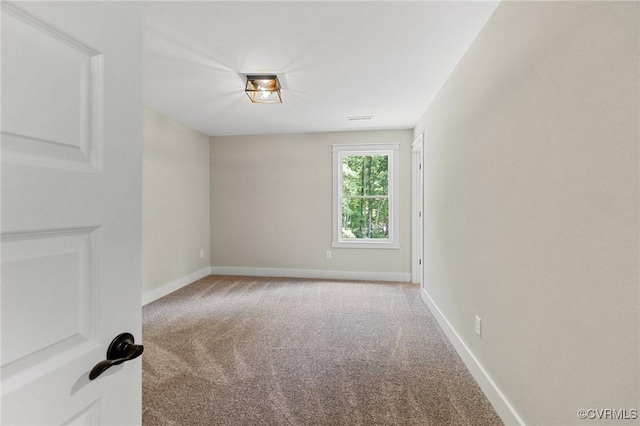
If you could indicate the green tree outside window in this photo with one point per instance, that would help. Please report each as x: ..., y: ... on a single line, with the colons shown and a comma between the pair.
x: 365, y: 197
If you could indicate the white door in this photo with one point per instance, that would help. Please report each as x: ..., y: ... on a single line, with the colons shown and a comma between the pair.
x: 417, y: 211
x: 71, y: 210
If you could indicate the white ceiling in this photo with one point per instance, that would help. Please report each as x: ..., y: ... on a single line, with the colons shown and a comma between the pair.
x: 334, y: 60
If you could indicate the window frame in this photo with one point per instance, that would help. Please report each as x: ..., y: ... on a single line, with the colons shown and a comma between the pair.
x: 391, y: 150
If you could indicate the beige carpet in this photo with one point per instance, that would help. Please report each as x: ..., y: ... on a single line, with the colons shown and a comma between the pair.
x: 273, y: 351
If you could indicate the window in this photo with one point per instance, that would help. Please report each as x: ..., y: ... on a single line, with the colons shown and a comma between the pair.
x: 365, y: 196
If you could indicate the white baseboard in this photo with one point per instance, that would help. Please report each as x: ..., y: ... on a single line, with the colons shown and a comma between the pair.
x: 311, y: 273
x: 170, y: 287
x: 503, y: 407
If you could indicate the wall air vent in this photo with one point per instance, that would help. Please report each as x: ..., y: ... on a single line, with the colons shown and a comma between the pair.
x: 360, y: 117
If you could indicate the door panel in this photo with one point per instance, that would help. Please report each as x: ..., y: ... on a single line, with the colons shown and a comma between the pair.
x: 71, y: 210
x: 44, y: 270
x: 58, y: 79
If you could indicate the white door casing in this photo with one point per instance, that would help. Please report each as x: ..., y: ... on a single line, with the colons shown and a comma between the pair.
x: 71, y: 210
x: 417, y: 211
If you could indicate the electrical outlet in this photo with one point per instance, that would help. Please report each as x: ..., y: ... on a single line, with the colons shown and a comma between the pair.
x: 328, y: 254
x: 478, y: 326
x: 202, y: 254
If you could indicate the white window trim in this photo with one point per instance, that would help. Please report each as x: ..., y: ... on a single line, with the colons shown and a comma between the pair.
x: 393, y: 151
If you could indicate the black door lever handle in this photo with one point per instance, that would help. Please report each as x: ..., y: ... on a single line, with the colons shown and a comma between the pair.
x: 120, y: 350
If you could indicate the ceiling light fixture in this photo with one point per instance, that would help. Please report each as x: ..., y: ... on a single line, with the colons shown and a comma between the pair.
x: 263, y: 89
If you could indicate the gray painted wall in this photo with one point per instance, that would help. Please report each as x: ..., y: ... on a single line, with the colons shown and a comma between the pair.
x: 175, y: 201
x: 531, y: 195
x: 271, y: 203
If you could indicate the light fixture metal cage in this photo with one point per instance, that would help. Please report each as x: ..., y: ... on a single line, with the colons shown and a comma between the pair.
x: 263, y: 89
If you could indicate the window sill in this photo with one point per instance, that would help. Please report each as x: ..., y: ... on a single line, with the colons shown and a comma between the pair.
x: 366, y: 245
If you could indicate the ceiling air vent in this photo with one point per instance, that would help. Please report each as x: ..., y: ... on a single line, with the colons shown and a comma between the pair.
x: 360, y: 117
